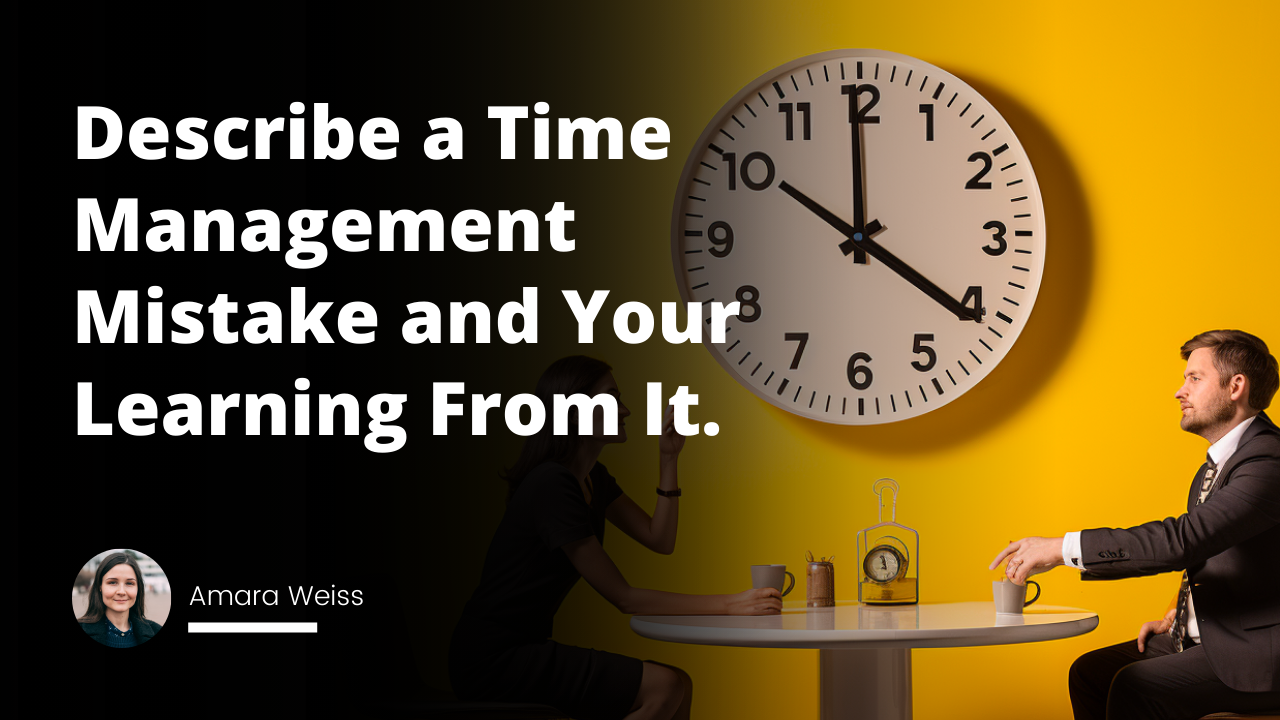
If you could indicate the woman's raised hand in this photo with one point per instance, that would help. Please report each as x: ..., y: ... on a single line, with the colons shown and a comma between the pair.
x: 670, y: 443
x: 760, y: 601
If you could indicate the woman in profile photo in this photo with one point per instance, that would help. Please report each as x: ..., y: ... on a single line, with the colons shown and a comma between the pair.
x: 551, y: 534
x: 117, y: 604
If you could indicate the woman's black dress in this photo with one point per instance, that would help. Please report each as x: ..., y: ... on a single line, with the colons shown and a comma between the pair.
x: 501, y: 649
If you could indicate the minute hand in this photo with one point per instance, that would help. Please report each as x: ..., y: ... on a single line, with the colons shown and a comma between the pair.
x: 878, y: 252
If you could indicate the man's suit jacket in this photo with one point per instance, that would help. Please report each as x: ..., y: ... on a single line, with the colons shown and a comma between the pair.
x: 1230, y: 547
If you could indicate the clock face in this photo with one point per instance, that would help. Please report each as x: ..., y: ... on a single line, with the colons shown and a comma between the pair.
x: 882, y: 564
x: 880, y: 226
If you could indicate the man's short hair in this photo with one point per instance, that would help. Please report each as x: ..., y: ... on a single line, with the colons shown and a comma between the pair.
x: 1238, y: 353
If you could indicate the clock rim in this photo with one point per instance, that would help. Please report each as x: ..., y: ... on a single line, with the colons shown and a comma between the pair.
x: 713, y: 125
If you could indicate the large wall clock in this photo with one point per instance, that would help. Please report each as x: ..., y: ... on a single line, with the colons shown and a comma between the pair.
x: 881, y: 226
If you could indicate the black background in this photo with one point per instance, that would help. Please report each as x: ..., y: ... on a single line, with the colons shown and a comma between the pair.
x: 266, y: 512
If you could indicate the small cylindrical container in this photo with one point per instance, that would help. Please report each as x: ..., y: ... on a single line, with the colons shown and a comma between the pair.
x: 820, y: 585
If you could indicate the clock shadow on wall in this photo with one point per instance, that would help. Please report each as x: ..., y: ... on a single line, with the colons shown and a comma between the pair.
x: 1060, y: 309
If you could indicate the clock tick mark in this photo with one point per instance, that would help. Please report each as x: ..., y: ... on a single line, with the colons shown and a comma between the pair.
x: 1019, y: 199
x: 753, y: 372
x: 693, y: 233
x: 1017, y: 286
x: 778, y: 89
x: 952, y: 379
x: 828, y: 404
x: 1023, y: 215
x: 695, y: 197
x: 953, y: 99
x: 702, y: 182
x: 797, y: 395
x: 1022, y: 233
x: 938, y: 92
x: 893, y: 73
x: 861, y: 407
x: 995, y: 332
x: 859, y: 69
x: 893, y: 403
x: 809, y: 72
x: 1004, y: 317
x: 842, y: 70
x: 1017, y: 267
x: 989, y: 133
x: 1015, y: 182
x: 766, y: 380
x: 783, y: 386
x: 709, y: 165
x: 744, y: 357
x: 877, y: 406
x: 826, y: 74
x: 908, y: 80
x: 735, y: 119
x: 726, y: 134
x: 876, y: 75
x: 696, y: 287
x: 691, y: 252
x: 748, y: 107
x: 975, y: 122
x: 1000, y: 149
x: 1022, y: 252
x: 926, y: 397
x: 1013, y: 302
x: 985, y: 345
x: 794, y: 84
x: 734, y: 345
x: 923, y: 83
x: 766, y: 102
x: 692, y: 215
x: 966, y: 109
x: 937, y: 385
x: 700, y: 267
x: 812, y: 398
x: 1006, y: 167
x: 716, y: 149
x: 962, y: 367
x: 975, y: 357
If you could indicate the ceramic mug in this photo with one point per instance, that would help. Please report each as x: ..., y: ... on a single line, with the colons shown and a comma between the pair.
x: 1010, y: 597
x: 763, y: 576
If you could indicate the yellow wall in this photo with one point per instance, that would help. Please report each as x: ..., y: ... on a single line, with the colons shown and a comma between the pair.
x: 1151, y: 128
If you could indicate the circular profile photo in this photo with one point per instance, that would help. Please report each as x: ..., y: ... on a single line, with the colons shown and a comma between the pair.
x: 121, y: 598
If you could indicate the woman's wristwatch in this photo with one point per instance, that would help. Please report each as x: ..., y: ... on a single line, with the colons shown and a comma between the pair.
x: 669, y: 493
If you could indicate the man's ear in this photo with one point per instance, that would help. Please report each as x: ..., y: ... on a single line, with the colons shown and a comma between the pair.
x: 1239, y: 387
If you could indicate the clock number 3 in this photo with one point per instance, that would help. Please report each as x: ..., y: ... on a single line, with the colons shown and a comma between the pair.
x: 998, y: 237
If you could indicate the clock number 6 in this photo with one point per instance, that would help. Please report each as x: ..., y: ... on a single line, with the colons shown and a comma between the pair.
x: 749, y: 297
x: 998, y: 236
x: 859, y: 375
x: 769, y: 171
x: 920, y: 347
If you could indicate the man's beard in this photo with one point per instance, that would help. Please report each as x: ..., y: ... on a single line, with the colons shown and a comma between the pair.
x: 1217, y: 412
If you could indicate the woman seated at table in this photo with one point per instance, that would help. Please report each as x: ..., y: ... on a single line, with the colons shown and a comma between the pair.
x: 551, y: 534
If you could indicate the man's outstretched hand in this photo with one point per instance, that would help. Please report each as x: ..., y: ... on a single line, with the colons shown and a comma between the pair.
x: 1155, y: 627
x: 1028, y: 557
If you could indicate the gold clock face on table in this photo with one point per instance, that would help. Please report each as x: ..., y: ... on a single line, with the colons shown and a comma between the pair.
x: 883, y: 564
x: 879, y: 224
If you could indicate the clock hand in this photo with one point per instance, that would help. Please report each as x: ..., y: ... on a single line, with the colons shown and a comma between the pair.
x: 859, y: 195
x: 855, y: 239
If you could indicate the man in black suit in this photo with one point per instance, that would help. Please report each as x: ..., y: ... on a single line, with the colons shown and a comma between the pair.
x: 1218, y: 648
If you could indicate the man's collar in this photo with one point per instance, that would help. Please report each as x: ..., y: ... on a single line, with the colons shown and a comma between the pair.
x: 1227, y: 444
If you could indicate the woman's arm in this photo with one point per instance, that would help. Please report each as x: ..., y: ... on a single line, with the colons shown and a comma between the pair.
x: 658, y: 533
x: 601, y: 573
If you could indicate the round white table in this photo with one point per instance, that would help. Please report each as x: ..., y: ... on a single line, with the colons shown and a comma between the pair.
x: 864, y: 651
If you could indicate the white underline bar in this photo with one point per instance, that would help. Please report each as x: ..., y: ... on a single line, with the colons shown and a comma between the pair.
x: 252, y: 627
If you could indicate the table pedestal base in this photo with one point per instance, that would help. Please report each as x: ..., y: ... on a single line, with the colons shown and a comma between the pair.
x: 864, y: 684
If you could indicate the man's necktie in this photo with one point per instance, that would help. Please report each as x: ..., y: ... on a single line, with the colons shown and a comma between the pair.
x: 1178, y: 632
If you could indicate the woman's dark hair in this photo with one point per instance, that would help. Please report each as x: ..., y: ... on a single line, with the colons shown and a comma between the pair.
x: 97, y: 609
x: 566, y: 376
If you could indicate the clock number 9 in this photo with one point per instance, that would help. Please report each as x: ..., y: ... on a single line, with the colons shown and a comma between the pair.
x: 976, y: 183
x: 724, y: 242
x: 769, y: 171
x: 920, y: 347
x: 752, y: 302
x: 998, y: 236
x: 859, y: 375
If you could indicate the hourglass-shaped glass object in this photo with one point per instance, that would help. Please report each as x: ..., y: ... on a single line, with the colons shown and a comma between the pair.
x: 888, y: 555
